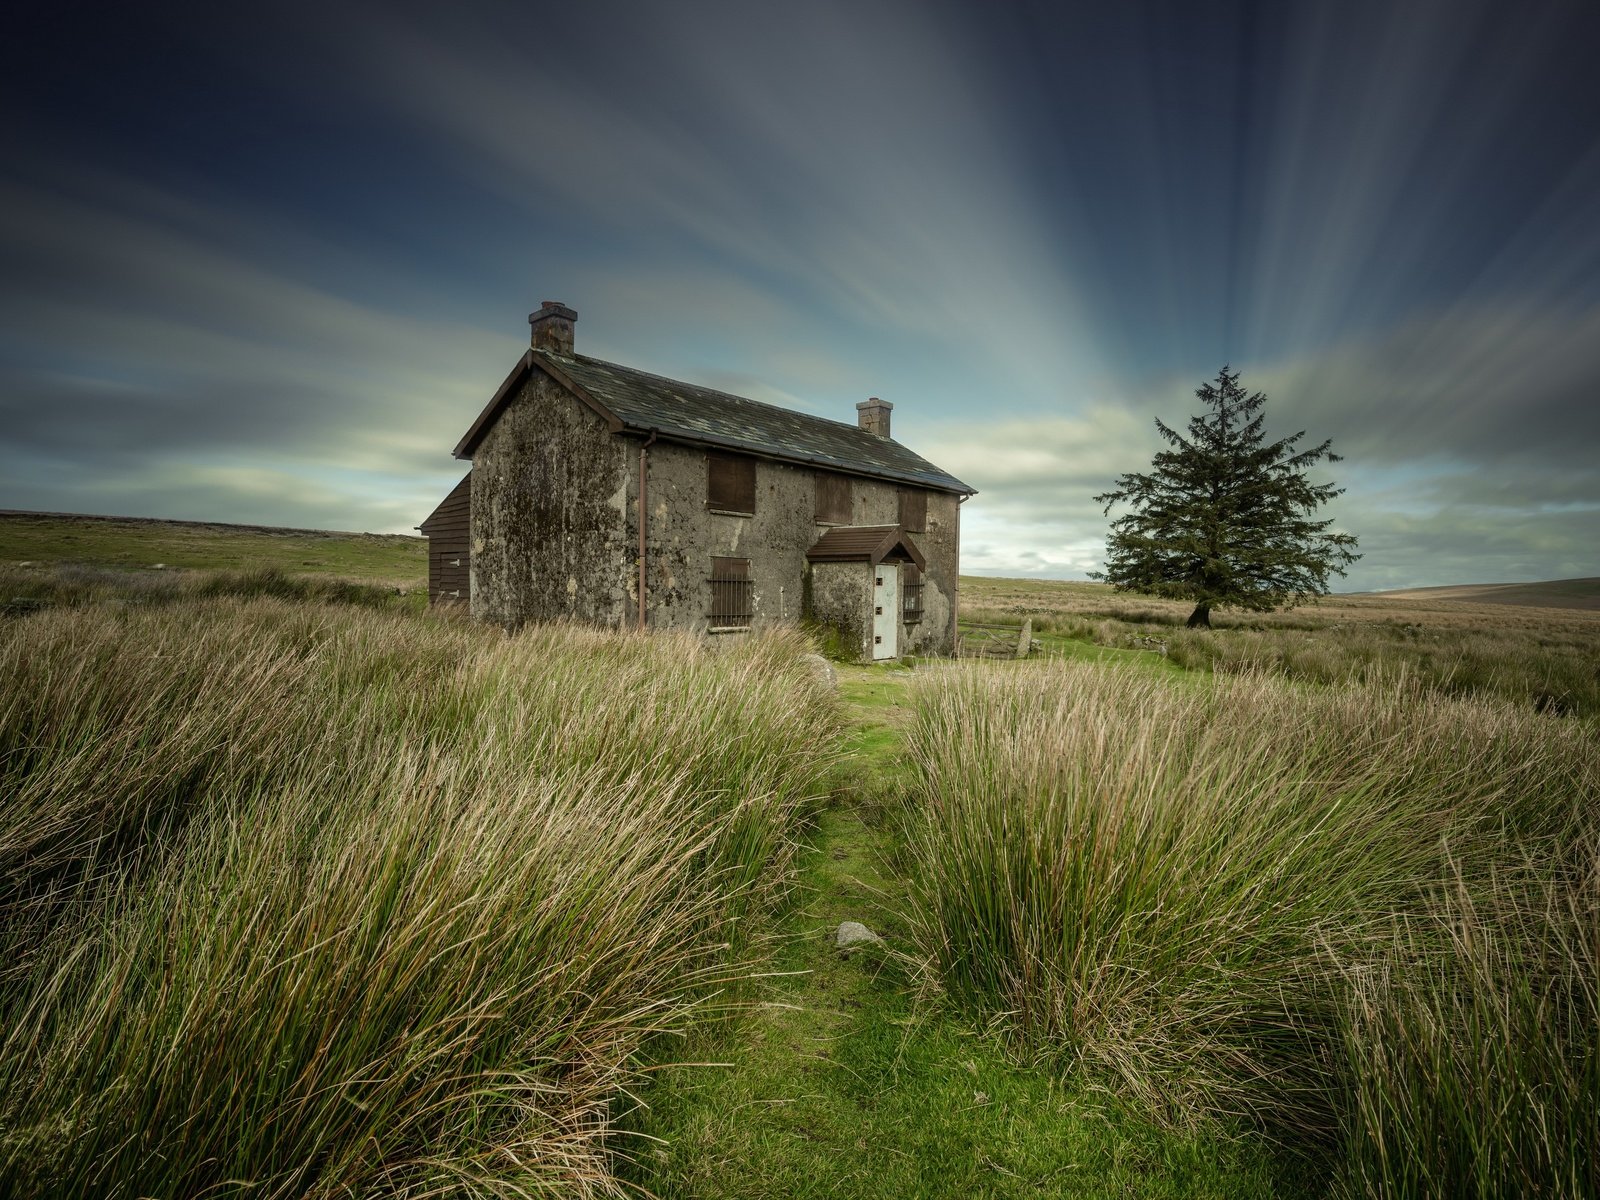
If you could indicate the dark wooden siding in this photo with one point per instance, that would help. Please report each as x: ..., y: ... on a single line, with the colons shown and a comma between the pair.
x: 449, y: 532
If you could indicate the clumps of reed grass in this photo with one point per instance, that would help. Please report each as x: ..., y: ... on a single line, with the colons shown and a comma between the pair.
x: 321, y: 902
x: 1213, y: 897
x: 1471, y: 1041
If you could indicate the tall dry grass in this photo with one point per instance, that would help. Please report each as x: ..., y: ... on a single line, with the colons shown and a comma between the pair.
x: 1314, y: 911
x: 311, y: 902
x: 1473, y: 1042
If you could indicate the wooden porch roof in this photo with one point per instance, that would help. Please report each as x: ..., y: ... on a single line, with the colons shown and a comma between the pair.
x: 868, y: 544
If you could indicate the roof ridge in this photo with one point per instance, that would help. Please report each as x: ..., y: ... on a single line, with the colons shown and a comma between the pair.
x: 791, y: 412
x: 631, y: 400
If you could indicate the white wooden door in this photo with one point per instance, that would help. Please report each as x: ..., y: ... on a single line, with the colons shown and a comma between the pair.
x: 886, y: 610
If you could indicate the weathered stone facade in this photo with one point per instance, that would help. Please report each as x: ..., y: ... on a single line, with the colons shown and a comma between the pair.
x: 549, y: 513
x: 843, y: 591
x: 555, y: 517
x: 682, y: 536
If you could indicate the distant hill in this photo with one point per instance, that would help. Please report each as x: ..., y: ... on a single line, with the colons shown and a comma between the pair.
x: 1553, y: 593
x: 143, y: 543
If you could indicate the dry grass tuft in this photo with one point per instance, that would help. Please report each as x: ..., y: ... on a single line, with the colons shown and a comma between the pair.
x: 322, y: 902
x: 1352, y: 916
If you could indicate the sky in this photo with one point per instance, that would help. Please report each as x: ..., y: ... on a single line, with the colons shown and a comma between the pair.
x: 266, y: 265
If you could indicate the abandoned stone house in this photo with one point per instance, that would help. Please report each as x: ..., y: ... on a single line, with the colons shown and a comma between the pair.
x: 620, y: 498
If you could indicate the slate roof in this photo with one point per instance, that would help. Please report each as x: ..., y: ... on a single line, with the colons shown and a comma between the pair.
x: 638, y: 402
x: 864, y: 543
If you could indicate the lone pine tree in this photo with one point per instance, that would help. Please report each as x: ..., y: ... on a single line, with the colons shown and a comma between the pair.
x: 1224, y: 518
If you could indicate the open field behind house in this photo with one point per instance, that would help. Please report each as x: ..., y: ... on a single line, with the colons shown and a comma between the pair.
x: 1552, y: 593
x: 1545, y: 657
x: 137, y: 544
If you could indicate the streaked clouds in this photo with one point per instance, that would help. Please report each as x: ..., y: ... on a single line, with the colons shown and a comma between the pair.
x: 282, y: 298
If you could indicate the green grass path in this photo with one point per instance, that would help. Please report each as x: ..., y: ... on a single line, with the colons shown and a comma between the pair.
x: 839, y: 1082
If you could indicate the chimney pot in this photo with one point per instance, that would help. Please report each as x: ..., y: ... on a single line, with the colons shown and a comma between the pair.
x: 551, y: 327
x: 873, y: 416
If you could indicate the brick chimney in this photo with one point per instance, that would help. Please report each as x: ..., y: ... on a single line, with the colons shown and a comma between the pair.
x: 873, y: 416
x: 552, y: 327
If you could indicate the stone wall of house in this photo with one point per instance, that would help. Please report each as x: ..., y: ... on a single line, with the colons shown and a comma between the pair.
x: 683, y: 536
x: 840, y: 596
x: 551, y: 517
x: 555, y: 534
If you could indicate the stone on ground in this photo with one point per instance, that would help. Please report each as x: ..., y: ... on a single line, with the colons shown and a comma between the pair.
x: 854, y: 933
x: 822, y: 669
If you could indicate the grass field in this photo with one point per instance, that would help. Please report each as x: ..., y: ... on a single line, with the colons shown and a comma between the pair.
x: 843, y: 1078
x: 129, y: 544
x: 307, y: 892
x: 1545, y: 657
x: 1553, y: 593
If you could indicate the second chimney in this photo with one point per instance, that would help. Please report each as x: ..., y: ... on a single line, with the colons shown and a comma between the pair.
x: 873, y: 416
x: 552, y: 327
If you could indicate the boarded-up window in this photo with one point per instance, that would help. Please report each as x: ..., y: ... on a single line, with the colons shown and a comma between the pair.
x: 910, y: 593
x: 731, y: 593
x: 833, y: 498
x: 914, y: 509
x: 731, y: 483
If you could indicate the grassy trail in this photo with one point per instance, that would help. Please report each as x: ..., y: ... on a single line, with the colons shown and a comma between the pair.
x: 842, y: 1083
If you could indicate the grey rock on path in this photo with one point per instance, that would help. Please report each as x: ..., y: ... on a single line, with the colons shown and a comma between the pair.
x: 854, y: 933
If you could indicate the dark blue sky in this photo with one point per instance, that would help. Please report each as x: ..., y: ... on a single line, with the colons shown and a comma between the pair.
x: 266, y: 267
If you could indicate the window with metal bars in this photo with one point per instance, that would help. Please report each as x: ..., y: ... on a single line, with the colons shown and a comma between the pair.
x: 732, y: 599
x: 910, y: 593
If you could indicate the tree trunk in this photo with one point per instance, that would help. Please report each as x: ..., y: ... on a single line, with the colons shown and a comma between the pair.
x: 1200, y: 618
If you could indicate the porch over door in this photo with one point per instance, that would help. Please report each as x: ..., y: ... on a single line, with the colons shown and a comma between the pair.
x: 886, y: 610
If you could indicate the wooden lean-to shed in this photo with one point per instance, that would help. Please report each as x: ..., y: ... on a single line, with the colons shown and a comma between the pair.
x: 449, y: 533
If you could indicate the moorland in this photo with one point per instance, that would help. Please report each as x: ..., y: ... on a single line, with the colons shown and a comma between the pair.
x: 308, y: 891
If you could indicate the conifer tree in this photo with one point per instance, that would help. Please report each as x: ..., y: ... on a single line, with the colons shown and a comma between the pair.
x: 1225, y: 518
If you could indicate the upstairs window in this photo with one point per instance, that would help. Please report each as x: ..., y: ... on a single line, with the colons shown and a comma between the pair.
x: 914, y: 510
x: 731, y: 483
x: 731, y: 594
x: 833, y: 498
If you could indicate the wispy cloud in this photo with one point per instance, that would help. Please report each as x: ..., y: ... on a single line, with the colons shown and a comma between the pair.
x: 1032, y: 229
x: 849, y: 156
x: 143, y: 343
x: 1469, y: 443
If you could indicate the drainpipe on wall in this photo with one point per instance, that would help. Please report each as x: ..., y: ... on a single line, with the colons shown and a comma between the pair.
x: 644, y: 517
